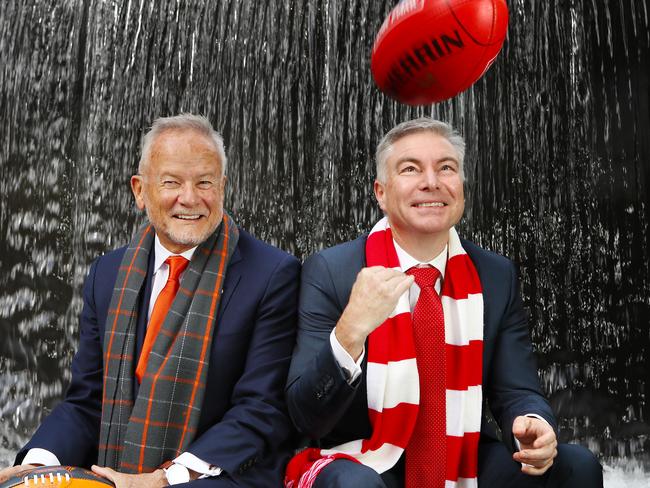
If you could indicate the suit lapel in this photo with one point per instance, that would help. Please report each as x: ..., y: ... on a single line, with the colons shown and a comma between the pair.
x: 143, y: 311
x: 233, y: 275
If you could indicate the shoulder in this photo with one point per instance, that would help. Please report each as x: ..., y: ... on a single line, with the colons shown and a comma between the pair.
x: 261, y: 255
x: 490, y: 265
x: 107, y: 264
x: 342, y: 257
x: 335, y: 268
x: 111, y: 258
x: 485, y: 257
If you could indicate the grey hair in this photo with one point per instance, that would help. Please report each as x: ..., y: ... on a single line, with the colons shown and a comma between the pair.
x: 422, y: 124
x: 185, y: 121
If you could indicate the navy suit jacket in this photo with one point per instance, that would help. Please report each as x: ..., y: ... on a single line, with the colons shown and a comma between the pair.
x: 243, y: 427
x: 326, y: 408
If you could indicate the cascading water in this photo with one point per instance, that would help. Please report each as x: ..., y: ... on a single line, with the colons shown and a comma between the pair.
x: 557, y: 164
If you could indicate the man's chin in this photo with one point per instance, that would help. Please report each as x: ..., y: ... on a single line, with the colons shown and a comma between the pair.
x: 189, y: 239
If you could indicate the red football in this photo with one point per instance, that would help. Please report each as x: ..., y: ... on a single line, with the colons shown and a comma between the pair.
x: 431, y: 50
x: 57, y: 476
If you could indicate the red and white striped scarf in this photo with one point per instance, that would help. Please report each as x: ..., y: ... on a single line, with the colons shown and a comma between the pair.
x: 393, y: 382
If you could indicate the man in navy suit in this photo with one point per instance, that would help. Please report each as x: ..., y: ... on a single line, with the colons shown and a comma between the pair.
x: 419, y: 187
x: 239, y: 433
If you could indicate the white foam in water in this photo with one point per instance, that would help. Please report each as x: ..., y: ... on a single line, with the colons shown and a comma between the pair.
x: 625, y: 474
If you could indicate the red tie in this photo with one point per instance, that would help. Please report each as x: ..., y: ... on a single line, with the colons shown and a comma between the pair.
x: 426, y: 453
x: 177, y: 265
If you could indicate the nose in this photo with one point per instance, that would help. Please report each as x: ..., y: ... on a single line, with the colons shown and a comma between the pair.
x: 429, y: 179
x: 187, y: 195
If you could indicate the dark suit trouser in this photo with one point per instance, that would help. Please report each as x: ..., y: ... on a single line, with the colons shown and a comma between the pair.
x: 574, y: 466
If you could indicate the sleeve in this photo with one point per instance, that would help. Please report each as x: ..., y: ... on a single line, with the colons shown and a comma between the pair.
x: 351, y: 368
x: 41, y: 457
x: 514, y: 387
x: 318, y: 393
x: 71, y: 431
x: 257, y: 424
x: 190, y: 461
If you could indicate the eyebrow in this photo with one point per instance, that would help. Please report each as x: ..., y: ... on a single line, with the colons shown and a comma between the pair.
x: 175, y: 175
x: 408, y: 159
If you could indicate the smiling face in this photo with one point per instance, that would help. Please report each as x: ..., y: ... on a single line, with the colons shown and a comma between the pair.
x: 423, y: 192
x: 182, y: 189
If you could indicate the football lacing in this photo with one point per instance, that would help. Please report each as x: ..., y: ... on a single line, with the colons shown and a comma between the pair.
x: 35, y: 480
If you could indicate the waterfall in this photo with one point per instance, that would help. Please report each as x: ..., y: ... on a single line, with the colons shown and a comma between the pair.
x: 558, y: 169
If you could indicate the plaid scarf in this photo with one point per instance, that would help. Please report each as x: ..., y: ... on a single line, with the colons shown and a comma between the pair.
x: 139, y: 434
x: 393, y: 382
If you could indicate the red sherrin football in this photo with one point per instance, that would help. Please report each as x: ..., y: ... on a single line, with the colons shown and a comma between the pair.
x: 57, y: 477
x: 431, y: 50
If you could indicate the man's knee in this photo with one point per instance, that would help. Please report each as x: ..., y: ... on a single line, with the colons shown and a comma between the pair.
x: 343, y: 473
x: 580, y: 465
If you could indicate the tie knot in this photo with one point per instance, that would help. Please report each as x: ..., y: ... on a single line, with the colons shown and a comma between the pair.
x: 177, y: 265
x: 424, y: 277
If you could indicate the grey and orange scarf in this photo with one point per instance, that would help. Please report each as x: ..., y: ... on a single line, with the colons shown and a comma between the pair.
x: 139, y: 434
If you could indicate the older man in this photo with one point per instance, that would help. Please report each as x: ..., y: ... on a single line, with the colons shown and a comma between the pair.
x: 402, y: 335
x: 185, y: 337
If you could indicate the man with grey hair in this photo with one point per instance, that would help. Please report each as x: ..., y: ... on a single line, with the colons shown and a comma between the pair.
x: 406, y: 333
x: 185, y: 337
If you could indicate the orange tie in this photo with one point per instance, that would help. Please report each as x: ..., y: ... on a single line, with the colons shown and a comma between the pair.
x: 177, y: 265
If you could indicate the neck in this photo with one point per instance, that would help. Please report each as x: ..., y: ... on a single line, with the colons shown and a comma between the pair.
x: 425, y: 247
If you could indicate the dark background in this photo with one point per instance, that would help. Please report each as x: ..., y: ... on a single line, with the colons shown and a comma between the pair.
x: 557, y: 164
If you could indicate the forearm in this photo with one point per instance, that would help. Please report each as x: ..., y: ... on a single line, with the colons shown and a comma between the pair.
x: 320, y: 395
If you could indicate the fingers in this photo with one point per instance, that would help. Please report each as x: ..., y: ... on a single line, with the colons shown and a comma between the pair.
x: 536, y: 462
x: 374, y: 295
x: 104, y: 472
x: 536, y: 471
x: 535, y: 467
x: 520, y: 426
x: 380, y: 274
x: 536, y: 457
x: 547, y: 438
x: 538, y: 445
x: 532, y: 432
x: 394, y: 285
x: 12, y: 471
x: 388, y: 282
x: 7, y: 473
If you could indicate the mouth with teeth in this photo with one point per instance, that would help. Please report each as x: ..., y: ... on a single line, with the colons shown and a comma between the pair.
x: 188, y: 216
x: 430, y: 204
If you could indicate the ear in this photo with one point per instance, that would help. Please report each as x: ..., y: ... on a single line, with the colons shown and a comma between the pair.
x: 224, y: 179
x: 380, y: 194
x: 137, y: 187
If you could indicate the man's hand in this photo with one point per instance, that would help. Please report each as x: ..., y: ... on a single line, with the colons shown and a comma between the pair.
x: 12, y: 471
x: 374, y: 296
x: 122, y: 480
x: 538, y: 445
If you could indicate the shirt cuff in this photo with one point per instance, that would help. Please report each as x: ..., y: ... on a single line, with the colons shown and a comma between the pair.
x: 534, y: 415
x: 41, y: 456
x: 345, y: 361
x: 190, y: 461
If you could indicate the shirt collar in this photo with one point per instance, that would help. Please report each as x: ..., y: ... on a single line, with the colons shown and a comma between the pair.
x: 406, y: 261
x: 161, y: 253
